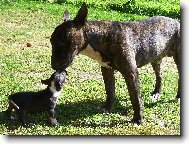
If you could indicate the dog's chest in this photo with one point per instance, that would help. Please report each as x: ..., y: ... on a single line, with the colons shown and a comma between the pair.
x: 90, y: 52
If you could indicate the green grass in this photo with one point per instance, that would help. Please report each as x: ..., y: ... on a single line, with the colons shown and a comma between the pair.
x: 22, y: 68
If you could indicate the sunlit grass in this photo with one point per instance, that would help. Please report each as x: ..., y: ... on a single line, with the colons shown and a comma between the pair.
x: 22, y: 68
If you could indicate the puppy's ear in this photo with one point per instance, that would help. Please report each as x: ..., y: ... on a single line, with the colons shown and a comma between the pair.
x: 66, y: 16
x: 46, y: 82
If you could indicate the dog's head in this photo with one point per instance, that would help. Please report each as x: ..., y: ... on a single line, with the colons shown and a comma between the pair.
x: 56, y: 81
x: 68, y: 39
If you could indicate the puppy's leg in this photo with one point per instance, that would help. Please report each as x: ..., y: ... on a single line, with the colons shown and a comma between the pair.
x: 9, y: 110
x: 156, y: 67
x: 21, y: 116
x: 52, y: 117
x: 109, y: 81
x: 12, y: 106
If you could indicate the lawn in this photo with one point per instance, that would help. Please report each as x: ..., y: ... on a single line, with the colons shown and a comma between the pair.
x: 22, y: 68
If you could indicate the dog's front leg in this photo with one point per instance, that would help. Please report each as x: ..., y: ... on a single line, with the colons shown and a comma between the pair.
x: 109, y: 81
x: 130, y: 74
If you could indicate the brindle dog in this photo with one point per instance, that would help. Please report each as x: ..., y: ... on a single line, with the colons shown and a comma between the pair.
x: 122, y: 46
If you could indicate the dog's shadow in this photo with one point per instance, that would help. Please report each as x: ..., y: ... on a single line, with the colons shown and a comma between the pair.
x: 75, y: 113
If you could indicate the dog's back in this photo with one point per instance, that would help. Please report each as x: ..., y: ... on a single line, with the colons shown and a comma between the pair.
x: 150, y: 39
x: 153, y: 38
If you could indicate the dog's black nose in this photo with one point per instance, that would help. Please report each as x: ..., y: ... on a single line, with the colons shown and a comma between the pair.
x: 59, y: 66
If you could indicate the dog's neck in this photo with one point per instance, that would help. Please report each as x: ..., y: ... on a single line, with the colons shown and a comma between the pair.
x: 96, y: 31
x: 95, y: 34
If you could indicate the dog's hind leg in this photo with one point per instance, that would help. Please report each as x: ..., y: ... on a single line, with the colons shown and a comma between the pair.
x: 156, y: 67
x: 177, y: 60
x: 109, y: 81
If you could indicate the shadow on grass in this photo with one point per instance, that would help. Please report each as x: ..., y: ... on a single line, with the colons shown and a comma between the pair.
x: 71, y: 113
x: 75, y: 114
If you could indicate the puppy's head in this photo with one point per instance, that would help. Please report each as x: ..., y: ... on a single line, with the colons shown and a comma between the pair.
x: 56, y: 81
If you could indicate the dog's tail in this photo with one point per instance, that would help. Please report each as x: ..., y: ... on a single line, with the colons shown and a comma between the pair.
x: 14, y: 105
x: 178, y: 39
x: 178, y: 32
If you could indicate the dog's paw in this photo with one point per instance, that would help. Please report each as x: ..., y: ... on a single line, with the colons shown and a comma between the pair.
x: 104, y: 109
x: 101, y: 109
x: 27, y: 124
x: 155, y: 97
x: 177, y: 100
x: 137, y: 121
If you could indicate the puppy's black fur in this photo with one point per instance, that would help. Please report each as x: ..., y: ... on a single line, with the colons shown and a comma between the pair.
x: 44, y: 100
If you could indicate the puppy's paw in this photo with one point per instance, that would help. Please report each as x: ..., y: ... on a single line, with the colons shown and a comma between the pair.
x: 54, y: 122
x: 13, y: 118
x: 27, y: 124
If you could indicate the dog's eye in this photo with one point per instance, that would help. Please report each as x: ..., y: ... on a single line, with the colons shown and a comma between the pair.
x: 60, y: 83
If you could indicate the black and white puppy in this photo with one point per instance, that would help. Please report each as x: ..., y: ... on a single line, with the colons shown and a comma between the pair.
x: 41, y: 101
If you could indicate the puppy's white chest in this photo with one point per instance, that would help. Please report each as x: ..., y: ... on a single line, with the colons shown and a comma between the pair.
x: 89, y: 51
x: 54, y: 91
x: 56, y: 94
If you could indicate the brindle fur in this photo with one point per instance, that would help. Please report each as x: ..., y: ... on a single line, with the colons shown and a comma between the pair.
x: 125, y: 46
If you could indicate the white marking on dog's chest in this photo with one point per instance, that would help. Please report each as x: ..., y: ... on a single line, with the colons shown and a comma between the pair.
x: 89, y: 51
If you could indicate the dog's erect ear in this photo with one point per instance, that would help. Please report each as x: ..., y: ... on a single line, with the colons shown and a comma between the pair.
x: 66, y: 16
x: 81, y: 16
x: 46, y: 82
